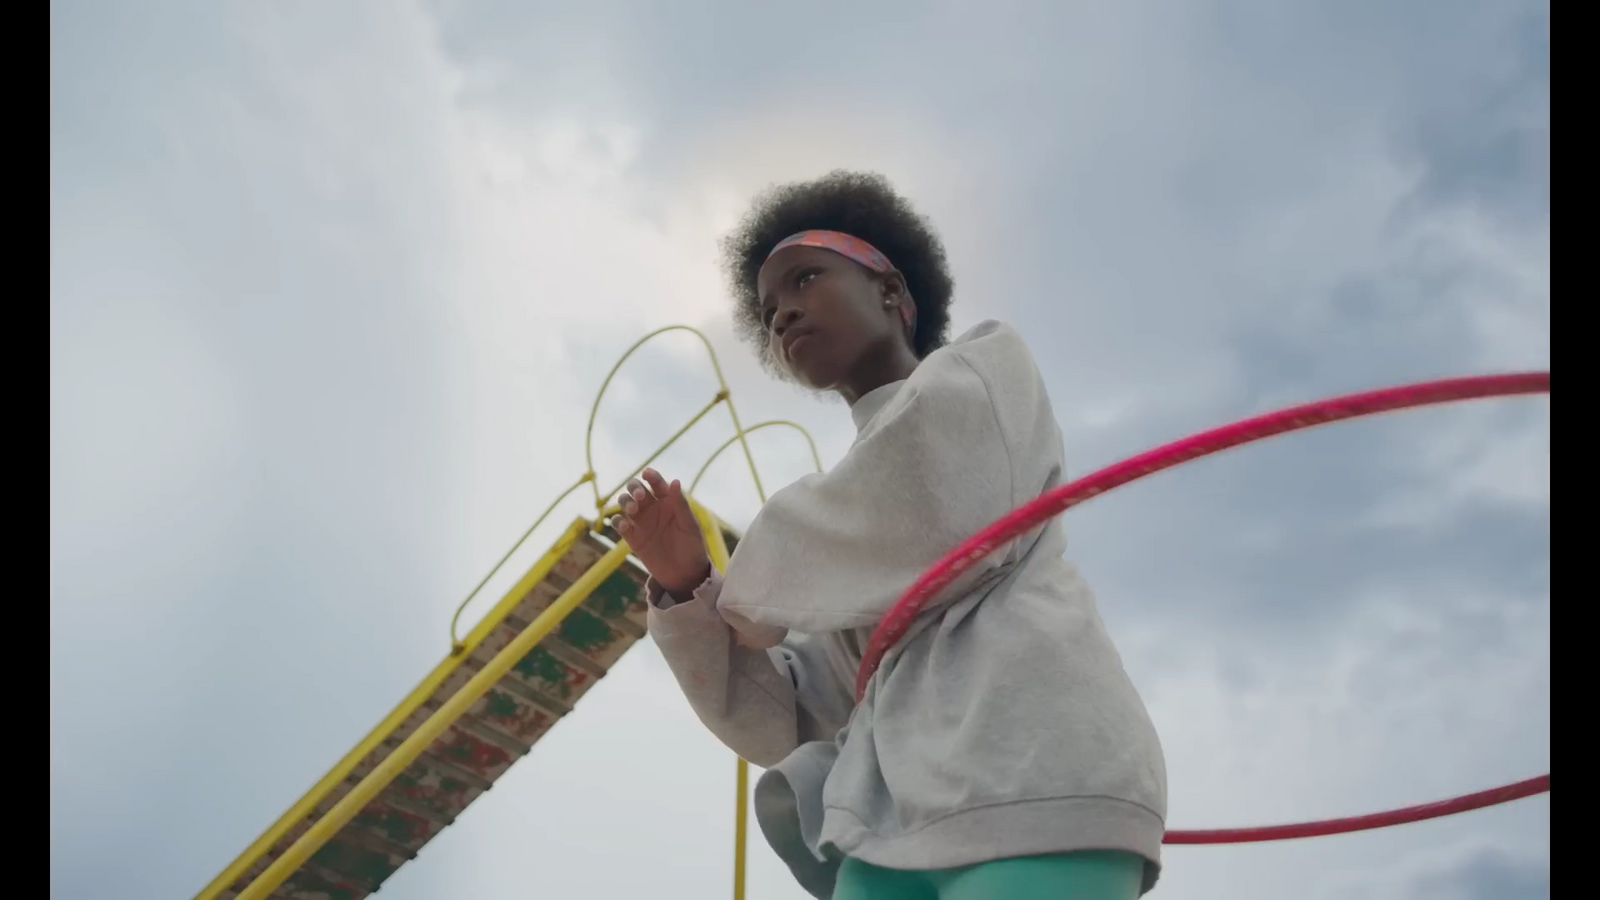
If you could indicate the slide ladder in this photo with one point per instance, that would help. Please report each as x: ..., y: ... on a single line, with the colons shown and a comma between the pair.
x: 501, y: 688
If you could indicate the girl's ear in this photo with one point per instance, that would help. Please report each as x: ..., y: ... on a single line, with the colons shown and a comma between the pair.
x: 892, y: 285
x: 897, y: 296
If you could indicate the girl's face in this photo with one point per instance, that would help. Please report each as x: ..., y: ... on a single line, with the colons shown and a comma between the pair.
x: 831, y: 323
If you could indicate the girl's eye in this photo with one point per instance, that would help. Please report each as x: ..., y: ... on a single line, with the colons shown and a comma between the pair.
x: 805, y: 277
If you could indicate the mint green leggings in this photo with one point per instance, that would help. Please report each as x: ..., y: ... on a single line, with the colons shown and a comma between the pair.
x: 1084, y: 875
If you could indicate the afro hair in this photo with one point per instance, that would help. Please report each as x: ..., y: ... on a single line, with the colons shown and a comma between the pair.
x: 862, y: 204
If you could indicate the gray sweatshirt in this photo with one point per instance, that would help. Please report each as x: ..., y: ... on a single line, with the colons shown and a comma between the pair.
x: 1002, y: 725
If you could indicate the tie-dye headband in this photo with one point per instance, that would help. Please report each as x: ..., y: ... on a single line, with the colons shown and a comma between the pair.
x: 853, y: 248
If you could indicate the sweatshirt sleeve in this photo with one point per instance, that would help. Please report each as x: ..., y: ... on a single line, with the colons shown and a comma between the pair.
x: 970, y: 436
x: 761, y: 704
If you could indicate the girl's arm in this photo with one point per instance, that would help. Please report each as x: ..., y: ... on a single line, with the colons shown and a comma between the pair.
x: 761, y: 704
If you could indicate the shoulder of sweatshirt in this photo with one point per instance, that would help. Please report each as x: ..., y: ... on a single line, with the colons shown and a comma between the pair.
x: 992, y: 350
x: 990, y: 333
x: 992, y: 360
x: 982, y: 380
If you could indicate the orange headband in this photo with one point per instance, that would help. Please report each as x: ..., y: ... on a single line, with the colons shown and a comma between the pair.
x: 853, y: 248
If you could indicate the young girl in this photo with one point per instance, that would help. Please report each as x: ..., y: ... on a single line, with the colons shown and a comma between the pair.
x: 1000, y: 752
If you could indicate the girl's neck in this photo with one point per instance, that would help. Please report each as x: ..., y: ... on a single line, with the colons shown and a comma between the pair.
x: 877, y: 370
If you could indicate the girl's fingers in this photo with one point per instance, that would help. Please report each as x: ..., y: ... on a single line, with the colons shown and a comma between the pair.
x: 657, y: 484
x: 639, y: 496
x: 634, y: 499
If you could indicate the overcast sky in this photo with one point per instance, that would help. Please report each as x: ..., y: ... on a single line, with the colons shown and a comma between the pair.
x: 333, y: 285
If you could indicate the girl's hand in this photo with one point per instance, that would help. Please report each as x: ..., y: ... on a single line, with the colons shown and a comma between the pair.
x: 662, y: 532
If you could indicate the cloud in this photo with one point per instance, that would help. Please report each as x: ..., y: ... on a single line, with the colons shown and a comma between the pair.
x: 1463, y: 869
x: 1489, y: 873
x: 332, y: 289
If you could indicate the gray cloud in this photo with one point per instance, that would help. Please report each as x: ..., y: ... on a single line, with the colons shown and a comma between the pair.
x: 331, y: 289
x: 1490, y: 875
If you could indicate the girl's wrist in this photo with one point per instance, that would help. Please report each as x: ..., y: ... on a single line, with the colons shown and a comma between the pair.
x: 684, y: 592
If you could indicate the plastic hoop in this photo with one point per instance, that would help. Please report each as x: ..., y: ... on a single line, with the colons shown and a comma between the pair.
x: 1054, y: 502
x: 1461, y: 804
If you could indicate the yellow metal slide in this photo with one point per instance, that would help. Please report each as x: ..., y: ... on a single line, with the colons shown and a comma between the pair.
x: 529, y: 661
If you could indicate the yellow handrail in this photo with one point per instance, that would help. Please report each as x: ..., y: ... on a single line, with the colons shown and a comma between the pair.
x: 408, y: 706
x: 815, y: 457
x: 742, y: 773
x: 456, y: 647
x: 719, y: 558
x: 721, y: 397
x: 401, y: 757
x: 718, y: 549
x: 430, y: 730
x: 742, y: 768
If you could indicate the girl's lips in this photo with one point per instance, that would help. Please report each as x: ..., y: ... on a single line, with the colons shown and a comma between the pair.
x: 793, y: 339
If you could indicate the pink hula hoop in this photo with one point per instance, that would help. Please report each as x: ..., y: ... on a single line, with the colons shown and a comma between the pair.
x: 1059, y: 499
